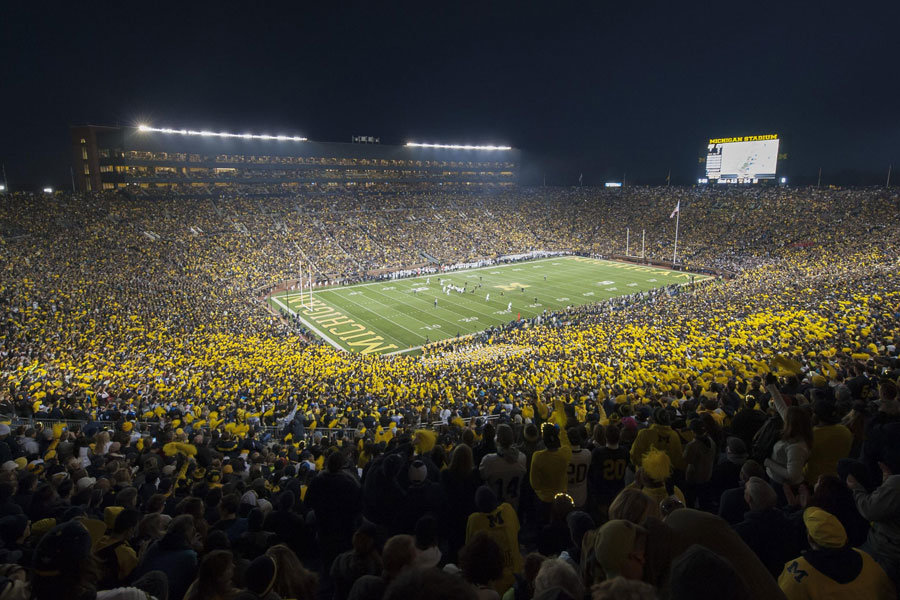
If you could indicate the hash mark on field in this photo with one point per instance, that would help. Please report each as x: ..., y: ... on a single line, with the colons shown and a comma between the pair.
x: 495, y: 272
x: 354, y: 293
x: 563, y: 299
x: 612, y: 289
x: 534, y: 305
x: 632, y: 284
x: 555, y: 263
x: 388, y: 288
x: 537, y: 267
x: 651, y: 280
x: 468, y: 319
x: 605, y: 282
x: 588, y: 294
x: 517, y: 269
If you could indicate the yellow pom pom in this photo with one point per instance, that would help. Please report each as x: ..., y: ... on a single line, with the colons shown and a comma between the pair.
x: 425, y: 439
x: 657, y: 465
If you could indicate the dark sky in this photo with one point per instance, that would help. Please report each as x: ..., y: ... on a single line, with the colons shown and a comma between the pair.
x: 594, y: 87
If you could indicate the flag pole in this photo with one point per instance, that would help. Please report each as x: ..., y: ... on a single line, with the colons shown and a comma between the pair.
x: 677, y: 219
x: 627, y: 240
x: 643, y: 233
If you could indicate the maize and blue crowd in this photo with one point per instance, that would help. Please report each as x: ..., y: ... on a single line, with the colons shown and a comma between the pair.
x: 165, y: 435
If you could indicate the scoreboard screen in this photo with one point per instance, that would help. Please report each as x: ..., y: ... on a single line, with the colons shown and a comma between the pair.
x: 744, y: 159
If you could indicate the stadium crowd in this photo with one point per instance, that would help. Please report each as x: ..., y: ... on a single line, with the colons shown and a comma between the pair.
x: 170, y: 438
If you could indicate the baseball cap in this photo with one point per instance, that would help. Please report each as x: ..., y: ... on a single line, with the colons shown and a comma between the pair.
x: 614, y: 542
x: 824, y: 528
x: 85, y: 482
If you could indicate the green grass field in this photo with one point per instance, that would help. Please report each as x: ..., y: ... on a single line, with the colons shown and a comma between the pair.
x: 399, y: 316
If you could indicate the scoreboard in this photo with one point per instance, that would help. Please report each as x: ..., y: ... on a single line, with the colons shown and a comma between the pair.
x: 745, y: 159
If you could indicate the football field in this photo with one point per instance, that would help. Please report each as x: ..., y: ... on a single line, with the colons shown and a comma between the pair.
x: 401, y: 315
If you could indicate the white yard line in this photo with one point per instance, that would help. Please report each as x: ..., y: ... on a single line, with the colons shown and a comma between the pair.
x: 310, y: 325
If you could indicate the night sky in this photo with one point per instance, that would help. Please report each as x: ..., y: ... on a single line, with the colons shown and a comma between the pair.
x: 590, y: 87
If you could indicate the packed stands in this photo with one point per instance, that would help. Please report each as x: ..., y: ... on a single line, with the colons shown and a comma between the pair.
x: 167, y: 435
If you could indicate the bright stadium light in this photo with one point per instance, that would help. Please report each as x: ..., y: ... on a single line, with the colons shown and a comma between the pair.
x: 783, y: 180
x: 703, y: 180
x: 456, y: 146
x: 221, y: 134
x: 48, y: 190
x: 613, y: 184
x: 2, y: 188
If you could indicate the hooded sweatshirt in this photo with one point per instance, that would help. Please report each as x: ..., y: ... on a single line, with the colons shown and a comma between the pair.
x: 504, y: 472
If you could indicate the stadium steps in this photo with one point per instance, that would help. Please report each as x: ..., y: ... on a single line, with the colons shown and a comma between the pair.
x: 429, y: 257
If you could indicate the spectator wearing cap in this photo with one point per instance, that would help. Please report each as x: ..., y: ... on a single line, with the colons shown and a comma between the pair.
x: 700, y: 574
x: 832, y: 568
x: 661, y: 436
x: 831, y: 439
x: 335, y: 497
x: 765, y: 528
x: 882, y: 508
x: 63, y: 564
x: 423, y: 497
x: 116, y: 556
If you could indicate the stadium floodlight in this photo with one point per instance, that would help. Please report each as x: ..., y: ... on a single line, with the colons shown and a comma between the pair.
x: 143, y: 128
x: 613, y: 184
x: 783, y: 180
x: 456, y: 146
x: 2, y: 188
x: 48, y: 190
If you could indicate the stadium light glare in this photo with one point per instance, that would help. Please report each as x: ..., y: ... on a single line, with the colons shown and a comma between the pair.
x: 613, y: 184
x: 456, y: 146
x: 48, y: 190
x: 784, y: 180
x: 703, y: 180
x: 2, y: 188
x: 143, y: 128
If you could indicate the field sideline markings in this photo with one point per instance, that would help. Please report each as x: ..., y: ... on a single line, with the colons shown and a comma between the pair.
x: 386, y: 318
x: 310, y: 325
